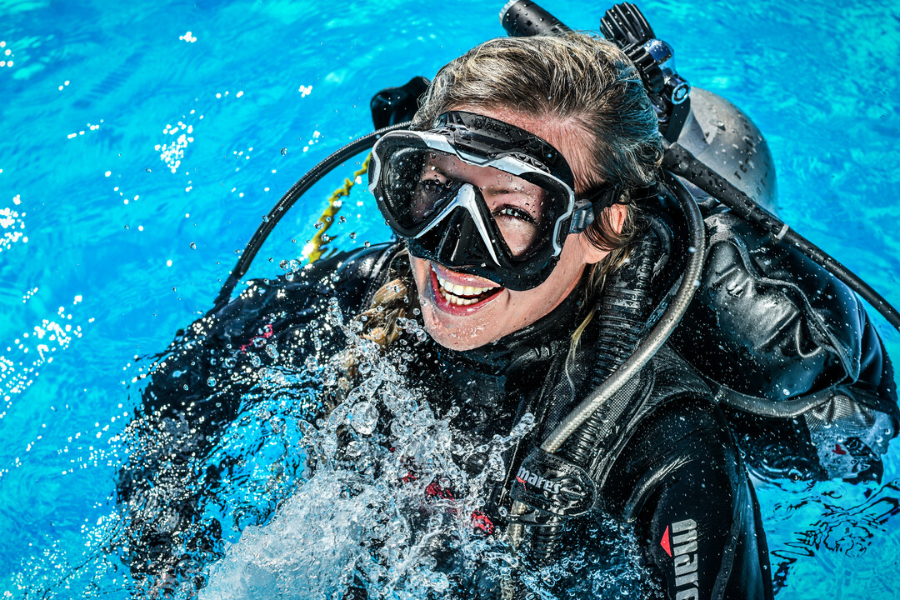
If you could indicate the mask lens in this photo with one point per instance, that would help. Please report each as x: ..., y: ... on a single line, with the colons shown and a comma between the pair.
x: 419, y: 183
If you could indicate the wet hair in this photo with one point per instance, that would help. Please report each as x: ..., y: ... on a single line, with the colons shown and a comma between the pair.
x: 576, y: 78
x: 582, y: 82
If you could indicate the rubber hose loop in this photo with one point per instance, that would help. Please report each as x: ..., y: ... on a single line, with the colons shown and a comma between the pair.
x: 647, y: 348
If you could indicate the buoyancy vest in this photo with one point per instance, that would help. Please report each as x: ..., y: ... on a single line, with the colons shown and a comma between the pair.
x: 791, y: 356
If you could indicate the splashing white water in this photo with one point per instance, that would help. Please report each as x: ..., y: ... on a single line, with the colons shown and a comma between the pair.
x: 388, y: 508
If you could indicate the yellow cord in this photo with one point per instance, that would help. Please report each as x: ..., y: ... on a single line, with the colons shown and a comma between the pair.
x: 317, y: 247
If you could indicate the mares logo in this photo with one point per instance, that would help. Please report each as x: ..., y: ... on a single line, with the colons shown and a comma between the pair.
x: 526, y: 477
x: 683, y: 548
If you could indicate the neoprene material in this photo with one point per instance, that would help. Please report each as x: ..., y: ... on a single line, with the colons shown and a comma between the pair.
x: 395, y: 105
x: 681, y: 162
x: 643, y: 479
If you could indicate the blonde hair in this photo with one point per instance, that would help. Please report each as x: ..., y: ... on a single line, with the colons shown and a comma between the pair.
x: 576, y: 78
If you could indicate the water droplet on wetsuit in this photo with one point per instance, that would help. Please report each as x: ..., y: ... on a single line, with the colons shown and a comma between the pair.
x: 364, y: 418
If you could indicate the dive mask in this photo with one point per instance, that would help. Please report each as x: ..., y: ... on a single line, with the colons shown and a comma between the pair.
x: 480, y: 196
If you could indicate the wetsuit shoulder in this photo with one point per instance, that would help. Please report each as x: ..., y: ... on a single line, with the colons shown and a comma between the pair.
x: 680, y: 481
x: 198, y: 386
x: 271, y: 313
x: 347, y: 277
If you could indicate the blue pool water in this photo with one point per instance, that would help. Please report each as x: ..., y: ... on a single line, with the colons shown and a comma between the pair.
x: 142, y: 142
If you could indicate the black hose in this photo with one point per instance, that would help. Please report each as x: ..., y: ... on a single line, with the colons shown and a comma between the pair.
x: 681, y: 162
x: 549, y: 536
x: 657, y: 336
x: 288, y: 200
x: 623, y: 310
x: 523, y: 18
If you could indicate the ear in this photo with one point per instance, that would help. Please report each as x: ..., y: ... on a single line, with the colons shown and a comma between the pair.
x: 614, y: 217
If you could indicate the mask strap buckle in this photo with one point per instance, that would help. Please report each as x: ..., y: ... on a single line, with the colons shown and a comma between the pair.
x: 582, y: 217
x: 587, y: 208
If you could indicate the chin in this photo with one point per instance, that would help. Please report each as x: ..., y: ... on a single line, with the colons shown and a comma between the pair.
x: 462, y: 312
x: 460, y: 322
x: 454, y: 338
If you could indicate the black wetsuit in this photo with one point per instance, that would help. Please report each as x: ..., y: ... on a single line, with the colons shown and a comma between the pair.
x: 671, y: 466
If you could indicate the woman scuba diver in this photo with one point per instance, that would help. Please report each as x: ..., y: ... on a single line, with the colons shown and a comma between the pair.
x: 540, y: 243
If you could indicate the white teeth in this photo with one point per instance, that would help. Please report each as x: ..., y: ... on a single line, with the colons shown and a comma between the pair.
x: 452, y: 292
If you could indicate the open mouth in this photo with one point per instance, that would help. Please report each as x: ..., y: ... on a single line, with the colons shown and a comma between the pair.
x: 461, y: 295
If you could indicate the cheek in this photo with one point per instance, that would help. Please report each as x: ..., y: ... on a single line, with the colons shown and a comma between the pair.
x: 421, y: 274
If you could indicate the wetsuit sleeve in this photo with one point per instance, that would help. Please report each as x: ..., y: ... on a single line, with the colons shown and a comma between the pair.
x: 680, y: 481
x: 197, y: 389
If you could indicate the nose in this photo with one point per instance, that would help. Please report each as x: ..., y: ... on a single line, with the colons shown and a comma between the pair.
x: 466, y: 239
x: 461, y: 241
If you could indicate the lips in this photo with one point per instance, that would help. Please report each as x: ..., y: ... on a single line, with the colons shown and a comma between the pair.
x: 458, y: 297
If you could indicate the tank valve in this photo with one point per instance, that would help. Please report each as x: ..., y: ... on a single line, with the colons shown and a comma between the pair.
x: 654, y: 59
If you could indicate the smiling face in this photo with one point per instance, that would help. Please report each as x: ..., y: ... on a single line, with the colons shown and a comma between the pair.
x: 462, y: 311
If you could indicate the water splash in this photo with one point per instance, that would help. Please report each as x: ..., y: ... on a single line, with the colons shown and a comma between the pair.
x: 294, y: 500
x: 388, y: 508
